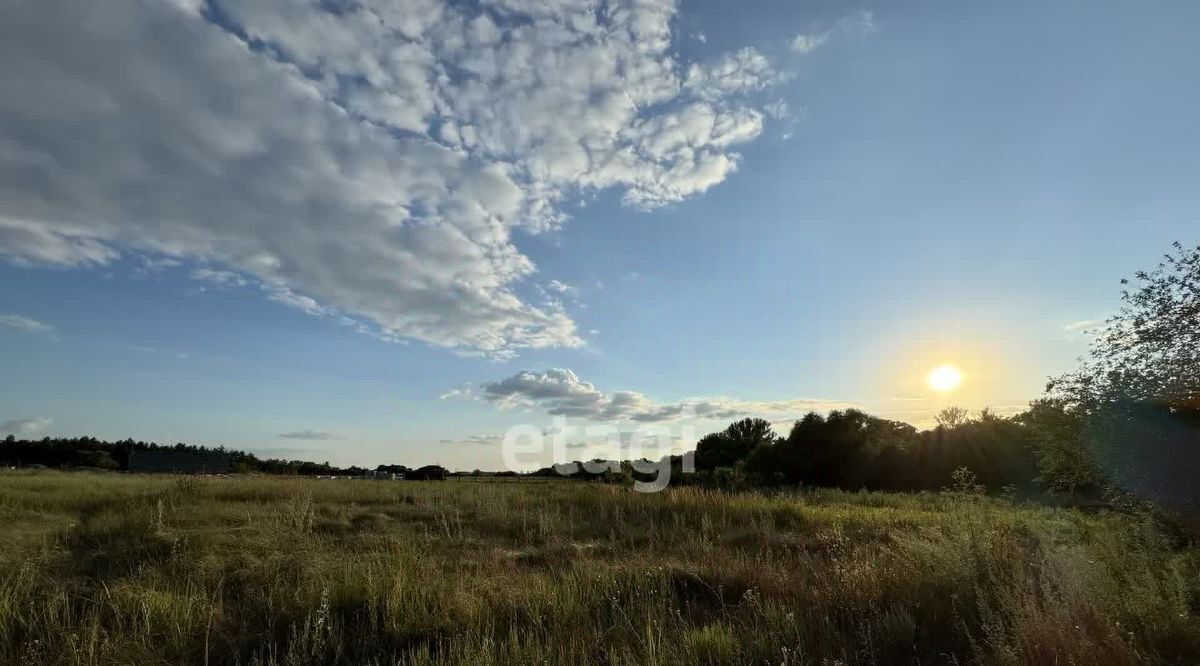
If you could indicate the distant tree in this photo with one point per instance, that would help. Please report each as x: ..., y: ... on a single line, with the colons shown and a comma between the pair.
x: 429, y: 473
x: 60, y: 452
x: 749, y: 433
x: 770, y: 465
x: 98, y: 458
x: 734, y: 444
x: 952, y: 417
x: 399, y: 470
x: 885, y: 455
x: 715, y: 450
x: 838, y: 450
x: 998, y: 451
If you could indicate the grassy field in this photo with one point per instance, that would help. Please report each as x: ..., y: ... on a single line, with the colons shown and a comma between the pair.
x: 110, y: 569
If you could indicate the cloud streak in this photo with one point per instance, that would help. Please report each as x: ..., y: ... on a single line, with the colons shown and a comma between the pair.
x: 474, y: 439
x: 312, y: 435
x: 26, y: 324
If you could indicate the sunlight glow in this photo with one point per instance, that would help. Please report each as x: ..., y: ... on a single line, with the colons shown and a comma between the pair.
x: 944, y: 378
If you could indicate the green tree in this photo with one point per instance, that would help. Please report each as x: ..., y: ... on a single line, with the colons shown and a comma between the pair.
x: 1150, y: 350
x: 749, y: 433
x: 1137, y: 392
x: 839, y: 450
x: 952, y: 417
x: 734, y: 444
x: 1065, y: 462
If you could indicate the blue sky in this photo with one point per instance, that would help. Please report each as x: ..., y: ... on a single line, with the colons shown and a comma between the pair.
x: 387, y: 232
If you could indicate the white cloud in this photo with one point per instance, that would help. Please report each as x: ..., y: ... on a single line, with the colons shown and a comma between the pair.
x: 314, y: 435
x: 218, y: 277
x: 860, y: 24
x: 742, y: 71
x: 27, y: 324
x: 28, y: 244
x: 554, y: 293
x: 560, y: 392
x: 369, y: 162
x: 561, y: 287
x: 808, y: 43
x: 777, y: 110
x: 157, y: 264
x: 28, y: 426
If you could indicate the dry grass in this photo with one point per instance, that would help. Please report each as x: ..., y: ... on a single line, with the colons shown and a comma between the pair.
x: 103, y: 569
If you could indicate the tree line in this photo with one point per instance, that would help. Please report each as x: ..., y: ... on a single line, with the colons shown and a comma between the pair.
x: 92, y: 453
x: 1123, y: 427
x: 854, y: 450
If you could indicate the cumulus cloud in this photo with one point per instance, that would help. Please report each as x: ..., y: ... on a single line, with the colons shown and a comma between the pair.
x: 27, y: 324
x: 367, y: 160
x: 560, y: 392
x: 314, y: 435
x: 28, y: 426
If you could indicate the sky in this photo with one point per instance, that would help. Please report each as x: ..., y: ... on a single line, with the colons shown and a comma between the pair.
x: 389, y: 232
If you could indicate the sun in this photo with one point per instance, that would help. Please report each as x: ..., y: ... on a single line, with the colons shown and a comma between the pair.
x: 944, y: 378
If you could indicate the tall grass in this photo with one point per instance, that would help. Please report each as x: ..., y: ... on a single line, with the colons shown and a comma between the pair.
x: 104, y: 569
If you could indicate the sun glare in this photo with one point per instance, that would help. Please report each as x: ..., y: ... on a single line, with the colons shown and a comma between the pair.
x: 944, y: 378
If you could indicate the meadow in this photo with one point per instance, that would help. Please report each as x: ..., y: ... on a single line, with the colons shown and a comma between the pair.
x: 119, y: 569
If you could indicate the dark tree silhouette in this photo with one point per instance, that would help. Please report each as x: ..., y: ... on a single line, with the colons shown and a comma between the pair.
x: 1150, y: 350
x: 92, y: 453
x: 1137, y: 393
x: 952, y: 417
x: 726, y: 448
